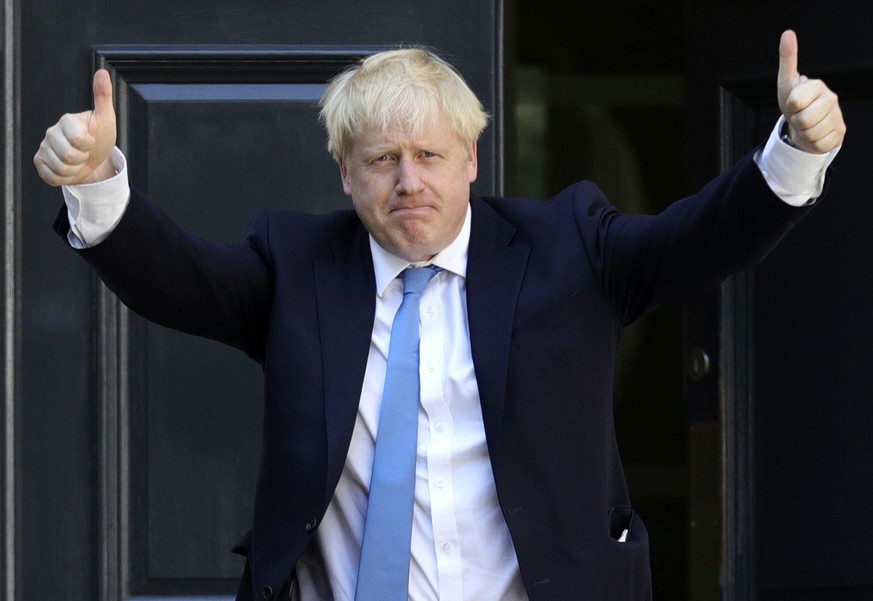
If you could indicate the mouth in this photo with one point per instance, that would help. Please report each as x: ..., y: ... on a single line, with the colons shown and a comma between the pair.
x: 411, y: 210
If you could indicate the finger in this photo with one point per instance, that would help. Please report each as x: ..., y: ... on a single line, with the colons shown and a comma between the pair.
x: 788, y: 58
x: 819, y: 109
x: 56, y: 180
x: 54, y: 171
x: 831, y: 140
x: 62, y: 156
x: 72, y: 129
x: 805, y: 94
x: 823, y: 135
x: 47, y: 175
x: 73, y: 152
x: 103, y: 107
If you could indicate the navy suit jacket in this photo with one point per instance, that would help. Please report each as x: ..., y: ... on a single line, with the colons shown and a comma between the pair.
x: 549, y: 287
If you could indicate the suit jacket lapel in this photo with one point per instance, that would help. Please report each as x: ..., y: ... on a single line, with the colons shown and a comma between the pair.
x: 346, y: 294
x: 494, y: 274
x: 345, y: 290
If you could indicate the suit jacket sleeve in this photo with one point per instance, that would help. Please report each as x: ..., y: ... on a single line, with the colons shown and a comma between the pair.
x: 177, y: 279
x: 642, y: 261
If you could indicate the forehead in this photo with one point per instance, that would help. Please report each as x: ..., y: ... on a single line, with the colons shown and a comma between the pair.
x: 434, y: 131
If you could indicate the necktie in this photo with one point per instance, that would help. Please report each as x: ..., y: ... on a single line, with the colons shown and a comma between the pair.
x: 383, y: 573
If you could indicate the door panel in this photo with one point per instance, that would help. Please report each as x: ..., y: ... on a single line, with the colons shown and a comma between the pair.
x: 188, y: 119
x: 792, y: 334
x: 137, y: 447
x: 813, y: 388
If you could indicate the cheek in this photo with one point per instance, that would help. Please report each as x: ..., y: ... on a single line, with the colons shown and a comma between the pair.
x: 370, y: 192
x: 368, y: 210
x: 362, y: 208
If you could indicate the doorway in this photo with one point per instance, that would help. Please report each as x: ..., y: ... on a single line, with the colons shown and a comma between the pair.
x: 594, y: 93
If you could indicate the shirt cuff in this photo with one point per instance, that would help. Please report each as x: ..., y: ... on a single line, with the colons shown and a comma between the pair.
x: 795, y: 176
x: 95, y: 209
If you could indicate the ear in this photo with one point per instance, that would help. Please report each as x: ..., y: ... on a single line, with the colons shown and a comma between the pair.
x: 473, y: 162
x: 344, y: 175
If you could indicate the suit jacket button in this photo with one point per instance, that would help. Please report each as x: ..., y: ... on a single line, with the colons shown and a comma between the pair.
x: 268, y: 593
x: 311, y: 524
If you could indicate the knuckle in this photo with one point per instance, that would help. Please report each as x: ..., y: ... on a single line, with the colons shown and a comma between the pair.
x: 799, y: 122
x: 65, y: 170
x: 46, y: 174
x: 794, y: 102
x: 69, y: 157
x: 78, y: 139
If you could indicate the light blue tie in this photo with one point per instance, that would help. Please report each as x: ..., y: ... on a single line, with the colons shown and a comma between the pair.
x: 383, y: 574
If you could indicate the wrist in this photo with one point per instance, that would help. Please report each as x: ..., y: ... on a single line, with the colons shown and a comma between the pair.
x: 106, y: 170
x: 785, y: 135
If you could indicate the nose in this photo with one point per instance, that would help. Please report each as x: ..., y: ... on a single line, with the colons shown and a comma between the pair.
x: 408, y: 177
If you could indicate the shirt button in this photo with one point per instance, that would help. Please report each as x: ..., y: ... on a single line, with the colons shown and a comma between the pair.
x: 440, y: 482
x: 447, y: 547
x: 431, y: 311
x: 440, y: 427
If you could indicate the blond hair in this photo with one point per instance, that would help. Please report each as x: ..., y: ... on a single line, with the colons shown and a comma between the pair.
x: 408, y: 86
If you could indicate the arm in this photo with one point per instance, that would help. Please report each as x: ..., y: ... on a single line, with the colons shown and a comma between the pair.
x: 643, y: 261
x: 733, y: 222
x: 165, y: 274
x: 177, y: 279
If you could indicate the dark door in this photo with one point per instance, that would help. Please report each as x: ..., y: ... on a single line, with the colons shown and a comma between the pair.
x: 788, y: 394
x: 131, y: 451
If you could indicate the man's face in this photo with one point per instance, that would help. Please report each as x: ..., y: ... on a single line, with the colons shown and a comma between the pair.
x: 410, y: 191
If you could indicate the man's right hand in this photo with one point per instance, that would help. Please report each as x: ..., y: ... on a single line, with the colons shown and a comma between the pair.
x: 76, y: 149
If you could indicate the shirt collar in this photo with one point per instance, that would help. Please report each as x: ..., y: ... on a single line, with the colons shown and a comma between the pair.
x: 452, y: 258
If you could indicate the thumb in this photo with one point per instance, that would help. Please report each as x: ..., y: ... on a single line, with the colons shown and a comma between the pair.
x: 103, y: 109
x: 101, y: 122
x: 787, y: 60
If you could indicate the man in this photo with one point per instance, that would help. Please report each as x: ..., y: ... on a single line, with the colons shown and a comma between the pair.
x: 518, y: 488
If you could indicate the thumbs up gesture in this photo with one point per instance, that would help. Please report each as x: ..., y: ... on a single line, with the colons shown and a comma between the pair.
x: 76, y: 149
x: 811, y: 109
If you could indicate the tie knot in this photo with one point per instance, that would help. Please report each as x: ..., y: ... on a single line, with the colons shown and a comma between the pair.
x: 416, y: 278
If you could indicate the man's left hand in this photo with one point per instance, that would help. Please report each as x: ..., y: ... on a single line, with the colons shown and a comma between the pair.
x: 812, y: 110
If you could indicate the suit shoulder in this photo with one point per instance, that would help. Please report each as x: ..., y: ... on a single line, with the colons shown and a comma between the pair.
x: 291, y: 218
x: 578, y: 199
x: 286, y: 224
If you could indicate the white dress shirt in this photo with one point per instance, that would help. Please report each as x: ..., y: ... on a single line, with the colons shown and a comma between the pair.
x: 461, y: 548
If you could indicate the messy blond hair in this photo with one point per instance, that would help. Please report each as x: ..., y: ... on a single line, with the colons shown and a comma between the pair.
x: 408, y: 86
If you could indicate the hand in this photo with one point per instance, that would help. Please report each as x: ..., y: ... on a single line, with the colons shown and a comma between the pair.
x: 812, y: 110
x: 76, y: 149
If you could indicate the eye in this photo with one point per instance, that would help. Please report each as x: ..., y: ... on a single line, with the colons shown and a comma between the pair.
x: 383, y: 158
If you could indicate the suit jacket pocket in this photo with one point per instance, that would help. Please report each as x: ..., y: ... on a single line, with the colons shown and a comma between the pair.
x: 625, y: 525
